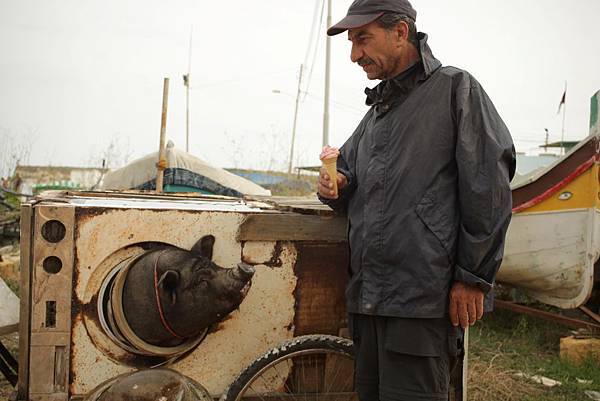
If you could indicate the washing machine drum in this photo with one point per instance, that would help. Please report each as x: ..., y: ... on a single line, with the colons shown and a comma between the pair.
x: 151, y: 384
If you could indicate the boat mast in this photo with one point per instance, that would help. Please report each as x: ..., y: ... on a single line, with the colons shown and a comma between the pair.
x: 327, y: 71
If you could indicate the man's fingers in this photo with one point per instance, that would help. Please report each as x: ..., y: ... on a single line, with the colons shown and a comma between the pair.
x: 472, y: 309
x: 479, y: 304
x: 453, y: 311
x: 325, y: 190
x: 463, y: 315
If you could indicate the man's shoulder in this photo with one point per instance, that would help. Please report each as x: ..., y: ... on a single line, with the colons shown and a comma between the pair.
x: 460, y: 78
x: 451, y: 71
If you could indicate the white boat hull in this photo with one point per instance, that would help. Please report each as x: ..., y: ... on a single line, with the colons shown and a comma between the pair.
x: 551, y: 255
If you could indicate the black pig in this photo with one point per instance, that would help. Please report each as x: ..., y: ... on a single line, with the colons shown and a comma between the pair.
x: 193, y: 292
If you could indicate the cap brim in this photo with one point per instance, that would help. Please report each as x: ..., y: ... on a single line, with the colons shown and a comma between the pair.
x: 351, y: 22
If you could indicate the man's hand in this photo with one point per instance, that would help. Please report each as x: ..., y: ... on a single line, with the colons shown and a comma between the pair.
x: 325, y: 186
x: 466, y: 304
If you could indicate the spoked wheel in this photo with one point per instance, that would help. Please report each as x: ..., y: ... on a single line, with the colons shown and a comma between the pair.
x: 306, y: 368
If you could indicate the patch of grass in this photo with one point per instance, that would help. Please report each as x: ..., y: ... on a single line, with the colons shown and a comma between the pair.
x: 506, y: 343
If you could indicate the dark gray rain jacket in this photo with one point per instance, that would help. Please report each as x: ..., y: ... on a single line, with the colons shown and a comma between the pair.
x: 428, y: 200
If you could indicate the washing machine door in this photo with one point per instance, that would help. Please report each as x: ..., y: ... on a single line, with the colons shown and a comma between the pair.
x: 150, y: 384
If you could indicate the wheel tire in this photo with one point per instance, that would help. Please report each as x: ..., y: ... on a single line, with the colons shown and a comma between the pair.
x: 297, y: 346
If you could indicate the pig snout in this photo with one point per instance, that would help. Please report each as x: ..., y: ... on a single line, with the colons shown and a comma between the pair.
x: 244, y: 271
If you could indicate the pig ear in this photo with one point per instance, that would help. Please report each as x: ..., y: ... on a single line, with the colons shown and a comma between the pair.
x: 204, y: 247
x: 169, y: 281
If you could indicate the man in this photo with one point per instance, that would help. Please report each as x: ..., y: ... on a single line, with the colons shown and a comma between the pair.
x: 424, y: 181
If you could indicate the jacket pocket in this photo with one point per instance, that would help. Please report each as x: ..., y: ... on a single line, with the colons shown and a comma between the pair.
x: 438, y: 220
x: 418, y: 337
x: 418, y: 348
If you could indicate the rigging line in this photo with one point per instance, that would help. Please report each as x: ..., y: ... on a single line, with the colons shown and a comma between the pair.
x: 312, y: 32
x: 241, y: 79
x: 314, y: 57
x: 337, y: 103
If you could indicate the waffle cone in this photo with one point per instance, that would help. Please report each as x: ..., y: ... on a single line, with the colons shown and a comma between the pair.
x: 330, y: 165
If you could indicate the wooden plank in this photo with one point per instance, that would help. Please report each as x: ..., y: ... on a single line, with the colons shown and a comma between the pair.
x: 292, y: 227
x: 303, y: 205
x: 25, y: 301
x: 49, y: 397
x: 9, y: 329
x: 42, y: 371
x: 47, y: 339
x: 51, y: 292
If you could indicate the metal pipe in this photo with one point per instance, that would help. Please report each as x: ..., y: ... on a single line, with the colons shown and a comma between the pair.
x: 327, y: 83
x: 295, y: 119
x: 553, y: 317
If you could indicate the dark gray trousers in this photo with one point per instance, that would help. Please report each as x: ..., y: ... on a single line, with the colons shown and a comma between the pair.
x: 400, y: 359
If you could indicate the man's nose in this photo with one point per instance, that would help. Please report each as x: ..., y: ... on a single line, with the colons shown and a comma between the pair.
x: 355, y: 53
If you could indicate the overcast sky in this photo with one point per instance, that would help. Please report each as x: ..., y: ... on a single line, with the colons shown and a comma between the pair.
x: 75, y: 74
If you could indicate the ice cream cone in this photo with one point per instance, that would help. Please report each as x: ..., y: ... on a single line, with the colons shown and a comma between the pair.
x: 330, y: 165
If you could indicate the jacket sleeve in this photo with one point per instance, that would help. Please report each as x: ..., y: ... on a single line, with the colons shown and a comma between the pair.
x: 485, y: 158
x: 346, y: 164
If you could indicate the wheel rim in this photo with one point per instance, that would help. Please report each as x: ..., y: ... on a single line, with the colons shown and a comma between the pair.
x: 304, y: 375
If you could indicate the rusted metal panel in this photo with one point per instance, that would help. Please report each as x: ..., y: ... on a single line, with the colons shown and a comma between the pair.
x: 293, y: 227
x: 322, y: 277
x: 298, y: 286
x: 105, y: 236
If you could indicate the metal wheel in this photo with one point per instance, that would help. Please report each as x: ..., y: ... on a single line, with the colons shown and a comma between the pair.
x: 306, y: 368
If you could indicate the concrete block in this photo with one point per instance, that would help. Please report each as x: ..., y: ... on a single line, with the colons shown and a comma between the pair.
x: 577, y: 349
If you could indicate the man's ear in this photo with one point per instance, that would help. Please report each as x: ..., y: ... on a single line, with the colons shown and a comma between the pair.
x: 402, y: 30
x: 204, y: 247
x: 169, y: 281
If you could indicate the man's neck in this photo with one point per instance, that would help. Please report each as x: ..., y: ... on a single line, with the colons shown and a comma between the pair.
x: 407, y: 60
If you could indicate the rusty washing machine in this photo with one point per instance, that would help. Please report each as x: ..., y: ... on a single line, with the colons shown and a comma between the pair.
x: 76, y: 247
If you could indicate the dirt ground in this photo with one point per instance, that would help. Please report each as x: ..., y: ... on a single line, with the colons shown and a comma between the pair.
x: 11, y: 342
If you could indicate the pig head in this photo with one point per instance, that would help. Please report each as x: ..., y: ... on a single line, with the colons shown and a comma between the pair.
x: 171, y: 295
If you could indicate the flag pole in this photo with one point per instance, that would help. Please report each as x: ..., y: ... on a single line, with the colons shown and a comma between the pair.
x: 562, y: 138
x: 327, y: 82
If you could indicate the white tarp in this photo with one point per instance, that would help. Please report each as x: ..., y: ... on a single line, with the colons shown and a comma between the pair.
x: 143, y: 170
x: 9, y: 309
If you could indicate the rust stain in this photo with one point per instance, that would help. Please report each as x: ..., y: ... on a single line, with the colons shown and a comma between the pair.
x: 275, y: 260
x: 84, y: 214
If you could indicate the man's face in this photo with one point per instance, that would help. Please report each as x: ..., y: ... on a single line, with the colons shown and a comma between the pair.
x: 377, y: 50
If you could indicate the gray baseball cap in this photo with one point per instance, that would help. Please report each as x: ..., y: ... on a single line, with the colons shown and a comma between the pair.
x: 363, y: 12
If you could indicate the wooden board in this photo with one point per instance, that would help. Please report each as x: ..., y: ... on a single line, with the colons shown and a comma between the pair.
x: 296, y: 204
x: 50, y: 320
x: 25, y: 294
x: 292, y: 227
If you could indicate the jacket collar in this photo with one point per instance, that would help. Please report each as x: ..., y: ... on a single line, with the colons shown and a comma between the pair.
x: 430, y: 63
x: 407, y: 79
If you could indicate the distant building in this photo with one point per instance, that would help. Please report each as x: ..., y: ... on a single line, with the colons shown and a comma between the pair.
x: 30, y: 180
x: 527, y: 164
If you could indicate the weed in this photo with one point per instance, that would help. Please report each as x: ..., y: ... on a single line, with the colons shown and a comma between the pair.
x: 506, y: 343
